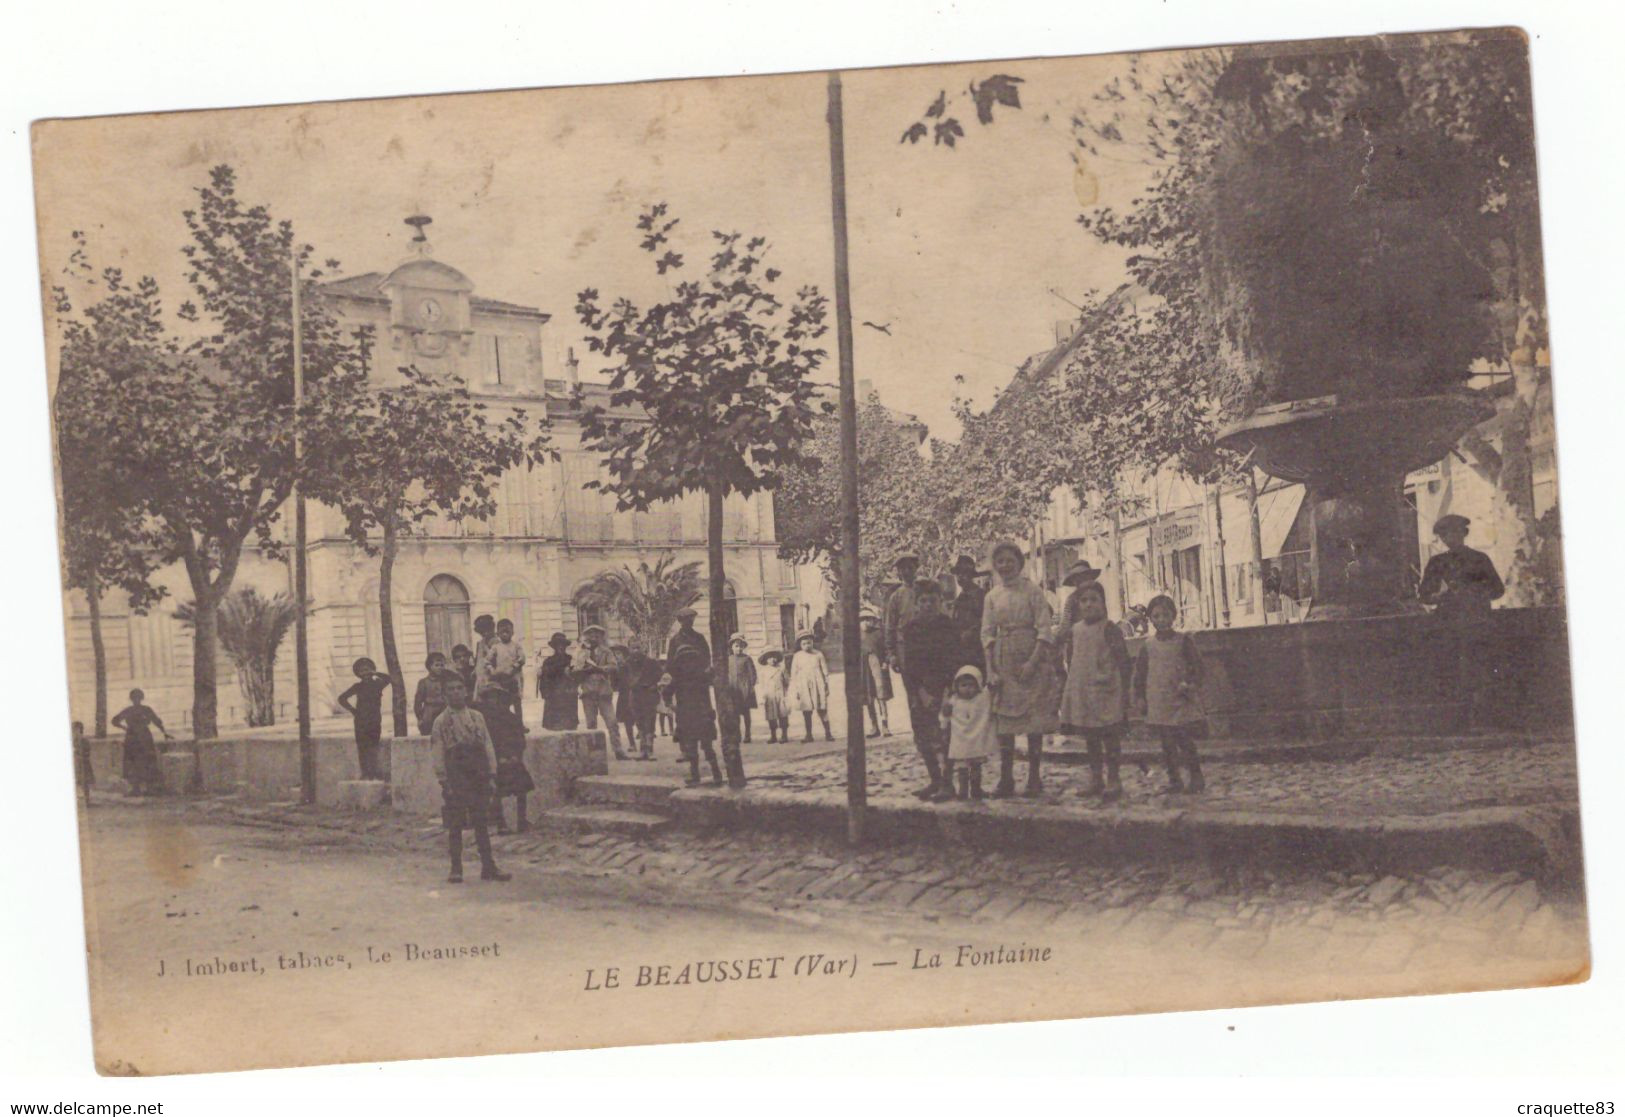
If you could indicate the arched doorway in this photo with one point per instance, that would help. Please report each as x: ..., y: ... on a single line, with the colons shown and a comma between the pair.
x: 445, y: 615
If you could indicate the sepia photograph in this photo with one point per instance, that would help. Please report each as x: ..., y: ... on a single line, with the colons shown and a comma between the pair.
x: 815, y: 552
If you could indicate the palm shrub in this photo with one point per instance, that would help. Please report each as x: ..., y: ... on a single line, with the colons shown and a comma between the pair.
x: 252, y: 628
x: 646, y: 600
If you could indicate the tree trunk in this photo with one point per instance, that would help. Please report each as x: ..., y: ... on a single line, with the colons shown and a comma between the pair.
x: 1117, y: 563
x: 257, y: 677
x: 728, y: 728
x: 205, y: 641
x: 715, y: 582
x: 386, y: 629
x: 98, y: 653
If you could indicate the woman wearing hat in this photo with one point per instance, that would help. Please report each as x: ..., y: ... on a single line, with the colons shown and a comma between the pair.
x: 742, y: 682
x: 557, y: 687
x: 775, y: 696
x: 809, y: 685
x: 877, y: 677
x: 1017, y: 634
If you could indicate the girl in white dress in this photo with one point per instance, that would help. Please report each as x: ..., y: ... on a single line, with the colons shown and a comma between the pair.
x: 967, y: 717
x: 775, y: 696
x: 809, y: 685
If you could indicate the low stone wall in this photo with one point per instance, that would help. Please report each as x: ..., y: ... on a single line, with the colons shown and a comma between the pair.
x: 1386, y: 675
x: 555, y: 762
x: 266, y: 769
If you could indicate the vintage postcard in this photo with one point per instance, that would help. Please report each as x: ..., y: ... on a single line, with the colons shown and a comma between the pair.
x: 824, y: 552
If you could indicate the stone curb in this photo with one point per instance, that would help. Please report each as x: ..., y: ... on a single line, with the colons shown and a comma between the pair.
x: 1540, y: 841
x: 1233, y: 751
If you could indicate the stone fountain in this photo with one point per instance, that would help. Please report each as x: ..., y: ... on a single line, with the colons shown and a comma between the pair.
x: 1352, y: 458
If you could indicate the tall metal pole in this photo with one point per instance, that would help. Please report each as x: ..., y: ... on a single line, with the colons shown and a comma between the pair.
x: 301, y: 646
x: 857, y: 776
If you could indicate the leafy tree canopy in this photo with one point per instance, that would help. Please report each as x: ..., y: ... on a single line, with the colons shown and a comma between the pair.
x: 711, y: 387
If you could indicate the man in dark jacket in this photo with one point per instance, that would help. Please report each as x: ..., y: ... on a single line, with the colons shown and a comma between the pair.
x: 690, y: 658
x: 931, y: 656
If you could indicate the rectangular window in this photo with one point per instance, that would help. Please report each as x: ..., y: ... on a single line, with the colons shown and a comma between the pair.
x: 151, y: 645
x: 491, y: 359
x: 513, y: 359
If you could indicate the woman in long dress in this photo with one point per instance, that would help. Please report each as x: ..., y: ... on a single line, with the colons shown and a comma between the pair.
x: 557, y: 687
x: 1017, y: 636
x: 809, y: 685
x: 140, y: 753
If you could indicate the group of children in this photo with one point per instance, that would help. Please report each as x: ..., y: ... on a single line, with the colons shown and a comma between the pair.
x: 1101, y: 685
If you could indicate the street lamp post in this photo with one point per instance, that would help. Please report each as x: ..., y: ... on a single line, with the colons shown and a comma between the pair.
x: 301, y: 645
x: 851, y: 645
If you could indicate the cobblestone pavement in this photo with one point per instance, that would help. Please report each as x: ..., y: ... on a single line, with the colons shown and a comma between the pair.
x: 1421, y: 784
x: 1416, y: 922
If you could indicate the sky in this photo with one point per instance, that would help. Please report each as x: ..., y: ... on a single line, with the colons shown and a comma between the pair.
x: 967, y: 255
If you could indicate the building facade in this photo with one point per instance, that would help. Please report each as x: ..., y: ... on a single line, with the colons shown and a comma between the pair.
x: 550, y: 535
x: 1234, y: 555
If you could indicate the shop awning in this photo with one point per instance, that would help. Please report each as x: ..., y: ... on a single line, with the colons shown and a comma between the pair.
x: 1277, y: 512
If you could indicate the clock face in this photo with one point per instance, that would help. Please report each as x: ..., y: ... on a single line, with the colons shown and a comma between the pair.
x: 429, y: 310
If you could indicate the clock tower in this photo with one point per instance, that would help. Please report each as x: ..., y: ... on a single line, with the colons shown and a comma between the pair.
x: 429, y: 320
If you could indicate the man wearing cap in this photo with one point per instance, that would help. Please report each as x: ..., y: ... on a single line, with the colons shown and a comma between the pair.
x: 595, y: 667
x: 689, y: 658
x: 967, y: 610
x: 1461, y: 582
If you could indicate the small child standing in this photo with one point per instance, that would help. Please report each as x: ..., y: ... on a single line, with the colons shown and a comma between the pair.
x: 140, y: 753
x: 1094, y: 702
x: 742, y: 682
x: 967, y: 718
x: 775, y: 697
x: 430, y: 696
x: 665, y: 711
x: 1167, y: 685
x: 505, y: 665
x: 364, y: 702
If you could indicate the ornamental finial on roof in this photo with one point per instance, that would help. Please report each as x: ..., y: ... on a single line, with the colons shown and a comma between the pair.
x: 420, y: 242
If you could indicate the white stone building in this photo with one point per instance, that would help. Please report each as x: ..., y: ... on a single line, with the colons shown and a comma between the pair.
x: 549, y: 536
